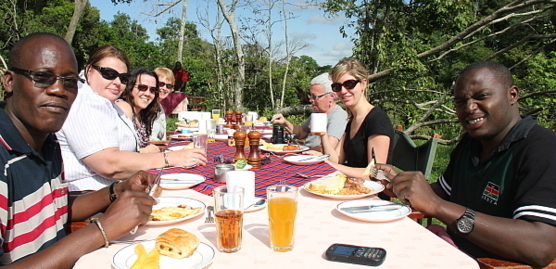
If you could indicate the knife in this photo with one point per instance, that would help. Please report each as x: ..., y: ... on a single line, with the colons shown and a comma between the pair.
x: 372, y: 208
x: 315, y: 158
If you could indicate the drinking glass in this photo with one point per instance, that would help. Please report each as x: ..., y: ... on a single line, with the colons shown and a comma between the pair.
x: 228, y: 208
x: 211, y: 130
x: 216, y: 114
x: 200, y: 141
x: 282, y: 211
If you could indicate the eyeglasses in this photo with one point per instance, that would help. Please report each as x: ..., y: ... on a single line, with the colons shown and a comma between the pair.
x: 168, y: 86
x: 348, y: 84
x: 315, y: 97
x: 143, y: 87
x: 111, y: 74
x: 42, y: 79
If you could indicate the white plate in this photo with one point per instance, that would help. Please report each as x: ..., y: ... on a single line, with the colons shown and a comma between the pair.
x: 373, y: 216
x: 256, y: 207
x: 180, y: 181
x: 203, y: 256
x: 221, y: 137
x: 374, y: 186
x: 181, y: 136
x: 176, y: 148
x: 176, y: 201
x: 302, y: 148
x: 296, y: 160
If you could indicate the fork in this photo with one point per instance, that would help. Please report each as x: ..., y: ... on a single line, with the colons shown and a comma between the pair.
x: 307, y: 176
x: 209, y: 218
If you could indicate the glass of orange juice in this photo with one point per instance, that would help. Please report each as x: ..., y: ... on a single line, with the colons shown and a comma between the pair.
x: 216, y: 115
x: 282, y: 211
x: 228, y: 209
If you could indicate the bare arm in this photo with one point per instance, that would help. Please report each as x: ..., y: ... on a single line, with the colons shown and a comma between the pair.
x: 129, y: 210
x: 120, y: 164
x: 126, y: 108
x: 502, y: 236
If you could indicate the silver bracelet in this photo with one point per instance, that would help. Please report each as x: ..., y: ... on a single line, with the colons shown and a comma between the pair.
x: 99, y: 225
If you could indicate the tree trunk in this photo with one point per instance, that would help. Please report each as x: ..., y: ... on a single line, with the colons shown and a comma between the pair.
x: 77, y: 13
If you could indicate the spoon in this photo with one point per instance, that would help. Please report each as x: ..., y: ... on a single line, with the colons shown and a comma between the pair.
x: 260, y: 202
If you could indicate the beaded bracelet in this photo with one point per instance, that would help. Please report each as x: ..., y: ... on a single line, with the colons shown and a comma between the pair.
x: 112, y: 192
x: 166, y: 161
x: 99, y: 225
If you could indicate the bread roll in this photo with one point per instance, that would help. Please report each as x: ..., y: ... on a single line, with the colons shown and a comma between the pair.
x: 329, y: 185
x: 177, y: 243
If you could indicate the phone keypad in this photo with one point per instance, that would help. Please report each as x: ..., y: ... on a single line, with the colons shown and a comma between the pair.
x: 369, y: 253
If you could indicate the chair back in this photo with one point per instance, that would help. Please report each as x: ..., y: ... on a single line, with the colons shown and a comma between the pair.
x: 410, y: 157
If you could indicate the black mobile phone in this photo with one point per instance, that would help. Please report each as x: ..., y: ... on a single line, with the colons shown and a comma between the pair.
x: 356, y: 254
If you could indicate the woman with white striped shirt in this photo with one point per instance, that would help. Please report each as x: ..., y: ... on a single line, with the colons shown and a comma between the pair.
x: 99, y: 143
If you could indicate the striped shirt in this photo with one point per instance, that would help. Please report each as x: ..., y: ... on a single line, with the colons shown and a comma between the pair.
x: 93, y: 124
x: 33, y: 196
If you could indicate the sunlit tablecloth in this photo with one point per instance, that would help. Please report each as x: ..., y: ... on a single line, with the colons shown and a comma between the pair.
x: 408, y: 244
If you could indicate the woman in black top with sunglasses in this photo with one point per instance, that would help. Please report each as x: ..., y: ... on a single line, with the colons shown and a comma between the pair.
x: 98, y: 140
x: 369, y: 128
x: 139, y: 101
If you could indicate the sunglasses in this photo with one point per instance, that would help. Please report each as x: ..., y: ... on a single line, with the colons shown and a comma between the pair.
x: 42, y: 79
x: 143, y: 87
x: 315, y: 97
x: 168, y: 86
x: 111, y: 74
x: 348, y: 84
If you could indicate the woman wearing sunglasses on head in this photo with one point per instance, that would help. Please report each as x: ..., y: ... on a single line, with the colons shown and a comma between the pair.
x: 368, y: 127
x: 98, y: 141
x: 139, y: 102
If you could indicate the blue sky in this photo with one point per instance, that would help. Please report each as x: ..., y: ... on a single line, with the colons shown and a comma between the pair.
x: 321, y: 34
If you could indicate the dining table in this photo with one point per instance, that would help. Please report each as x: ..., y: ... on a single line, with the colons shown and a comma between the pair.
x: 318, y: 225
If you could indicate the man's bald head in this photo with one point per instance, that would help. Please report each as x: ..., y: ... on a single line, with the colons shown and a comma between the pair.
x: 20, y: 47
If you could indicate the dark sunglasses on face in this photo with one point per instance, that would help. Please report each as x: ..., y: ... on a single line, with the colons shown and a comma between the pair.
x: 348, y: 84
x: 42, y: 79
x: 168, y: 86
x: 316, y: 97
x: 143, y: 87
x: 111, y: 74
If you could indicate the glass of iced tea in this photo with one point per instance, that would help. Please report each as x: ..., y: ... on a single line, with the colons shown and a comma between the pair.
x: 228, y: 208
x: 282, y: 210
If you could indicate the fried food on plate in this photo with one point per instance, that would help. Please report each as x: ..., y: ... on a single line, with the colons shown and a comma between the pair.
x: 173, y: 212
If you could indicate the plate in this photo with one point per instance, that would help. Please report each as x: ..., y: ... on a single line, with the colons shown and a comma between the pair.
x: 203, y: 256
x: 302, y: 148
x: 256, y: 207
x: 181, y: 136
x: 180, y: 181
x: 247, y: 167
x: 221, y: 137
x: 297, y: 160
x: 176, y: 148
x: 374, y: 186
x: 374, y: 216
x: 175, y: 201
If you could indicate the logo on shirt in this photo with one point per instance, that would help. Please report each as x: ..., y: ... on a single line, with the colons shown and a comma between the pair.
x: 491, y: 193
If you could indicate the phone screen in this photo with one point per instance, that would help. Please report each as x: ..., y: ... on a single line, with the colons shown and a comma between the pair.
x: 344, y: 250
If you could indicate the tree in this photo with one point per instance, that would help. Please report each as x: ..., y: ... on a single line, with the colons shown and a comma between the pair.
x: 414, y: 50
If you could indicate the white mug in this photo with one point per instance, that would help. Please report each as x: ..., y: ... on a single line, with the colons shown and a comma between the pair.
x: 318, y: 123
x: 244, y: 179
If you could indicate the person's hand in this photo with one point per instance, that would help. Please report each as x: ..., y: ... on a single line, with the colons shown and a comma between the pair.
x: 413, y: 189
x: 149, y: 149
x: 279, y: 119
x: 132, y: 208
x: 187, y: 157
x: 312, y: 152
x: 137, y: 182
x: 389, y: 172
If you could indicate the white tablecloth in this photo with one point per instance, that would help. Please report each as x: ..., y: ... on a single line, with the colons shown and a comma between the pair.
x: 318, y: 225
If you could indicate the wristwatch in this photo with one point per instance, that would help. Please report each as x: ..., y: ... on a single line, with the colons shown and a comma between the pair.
x: 466, y: 222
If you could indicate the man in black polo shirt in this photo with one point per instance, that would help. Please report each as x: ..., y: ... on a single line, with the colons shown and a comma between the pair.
x: 498, y: 193
x: 40, y: 86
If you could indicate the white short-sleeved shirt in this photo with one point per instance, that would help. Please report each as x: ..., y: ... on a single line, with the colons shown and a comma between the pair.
x: 93, y: 124
x: 336, y: 126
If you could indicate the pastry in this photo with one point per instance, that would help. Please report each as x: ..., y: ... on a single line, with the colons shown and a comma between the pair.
x: 177, y: 243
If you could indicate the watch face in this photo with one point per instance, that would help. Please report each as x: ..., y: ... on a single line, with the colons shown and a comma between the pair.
x: 465, y: 225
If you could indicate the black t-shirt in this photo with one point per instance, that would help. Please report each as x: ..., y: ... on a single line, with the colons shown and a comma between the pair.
x: 355, y: 149
x: 517, y: 181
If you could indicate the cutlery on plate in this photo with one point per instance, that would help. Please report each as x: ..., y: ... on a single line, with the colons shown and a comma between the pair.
x: 210, y: 218
x: 258, y: 203
x: 154, y: 191
x: 315, y: 158
x: 372, y: 208
x: 307, y: 176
